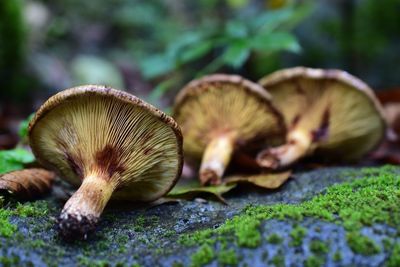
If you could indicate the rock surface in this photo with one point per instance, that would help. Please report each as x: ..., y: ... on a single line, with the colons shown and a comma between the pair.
x: 140, y: 236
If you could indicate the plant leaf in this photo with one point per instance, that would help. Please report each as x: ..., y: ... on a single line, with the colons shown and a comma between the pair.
x: 15, y: 159
x: 156, y: 66
x: 27, y: 184
x: 268, y: 180
x: 193, y: 189
x: 195, y: 51
x: 237, y: 53
x: 277, y: 41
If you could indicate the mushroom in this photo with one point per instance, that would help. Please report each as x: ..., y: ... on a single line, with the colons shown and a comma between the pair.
x: 109, y: 142
x: 222, y: 113
x: 329, y: 113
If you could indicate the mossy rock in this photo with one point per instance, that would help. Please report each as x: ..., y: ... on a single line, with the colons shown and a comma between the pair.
x: 309, y: 221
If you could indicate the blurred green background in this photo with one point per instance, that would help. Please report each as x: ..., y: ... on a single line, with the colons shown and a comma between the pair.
x: 152, y: 48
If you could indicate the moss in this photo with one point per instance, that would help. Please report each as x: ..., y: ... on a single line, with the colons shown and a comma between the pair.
x: 177, y: 264
x: 227, y: 258
x: 9, y: 261
x: 274, y: 239
x: 319, y: 247
x: 387, y: 243
x: 32, y: 209
x: 314, y: 261
x: 278, y: 260
x: 373, y: 197
x: 361, y: 244
x: 337, y: 256
x: 297, y: 234
x: 394, y: 259
x: 6, y: 228
x: 205, y: 254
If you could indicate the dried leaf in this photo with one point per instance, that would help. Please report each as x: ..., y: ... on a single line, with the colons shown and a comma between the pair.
x: 27, y: 184
x: 267, y: 180
x: 193, y: 189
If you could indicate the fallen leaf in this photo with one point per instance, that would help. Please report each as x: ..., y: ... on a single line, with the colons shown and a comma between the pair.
x: 27, y: 184
x: 193, y: 190
x: 267, y: 180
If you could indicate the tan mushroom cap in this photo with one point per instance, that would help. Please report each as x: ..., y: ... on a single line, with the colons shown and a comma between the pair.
x: 96, y: 128
x: 332, y: 112
x: 225, y: 106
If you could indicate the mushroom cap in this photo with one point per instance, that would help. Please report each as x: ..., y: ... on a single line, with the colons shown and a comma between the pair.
x: 226, y: 104
x: 97, y: 130
x: 346, y: 118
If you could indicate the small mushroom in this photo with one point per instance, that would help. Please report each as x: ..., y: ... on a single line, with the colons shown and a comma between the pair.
x: 222, y: 113
x: 111, y: 144
x: 328, y: 113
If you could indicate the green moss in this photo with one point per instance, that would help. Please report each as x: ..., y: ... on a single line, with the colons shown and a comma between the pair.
x: 32, y: 209
x: 314, y: 261
x: 387, y: 243
x: 6, y: 228
x: 337, y: 256
x: 227, y: 258
x: 362, y: 202
x: 362, y: 244
x: 297, y: 234
x: 319, y: 247
x: 9, y: 261
x: 205, y: 254
x: 394, y: 259
x: 274, y: 239
x: 278, y: 260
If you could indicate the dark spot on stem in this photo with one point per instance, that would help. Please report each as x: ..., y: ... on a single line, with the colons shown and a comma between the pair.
x: 109, y: 160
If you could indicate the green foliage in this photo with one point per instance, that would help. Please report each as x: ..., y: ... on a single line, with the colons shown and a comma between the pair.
x: 267, y: 32
x: 12, y: 45
x: 11, y: 160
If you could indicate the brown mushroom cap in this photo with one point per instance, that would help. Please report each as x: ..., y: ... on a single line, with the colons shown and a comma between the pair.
x: 114, y: 138
x: 226, y: 105
x: 337, y: 112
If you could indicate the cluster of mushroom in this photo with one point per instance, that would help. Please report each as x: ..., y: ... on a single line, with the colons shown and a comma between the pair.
x: 115, y: 146
x: 327, y: 113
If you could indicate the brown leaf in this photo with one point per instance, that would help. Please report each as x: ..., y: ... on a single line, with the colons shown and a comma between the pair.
x: 27, y: 184
x: 193, y: 189
x: 267, y: 180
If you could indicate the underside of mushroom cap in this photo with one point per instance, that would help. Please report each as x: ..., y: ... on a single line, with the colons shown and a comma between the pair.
x: 337, y: 111
x: 230, y: 105
x: 97, y: 130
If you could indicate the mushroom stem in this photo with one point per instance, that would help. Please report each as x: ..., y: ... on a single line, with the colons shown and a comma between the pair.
x: 216, y: 158
x: 298, y: 145
x: 82, y: 211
